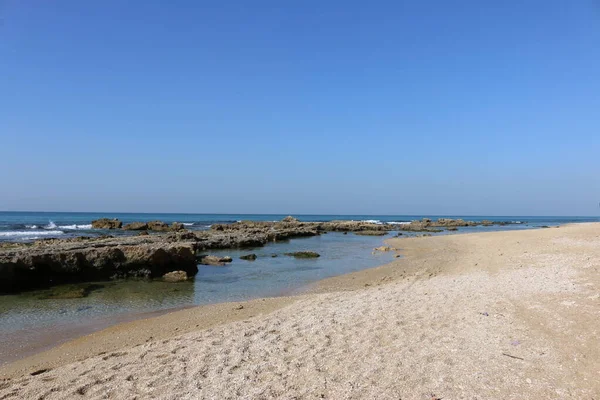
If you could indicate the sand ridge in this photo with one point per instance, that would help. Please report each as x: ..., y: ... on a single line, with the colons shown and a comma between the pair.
x: 503, y: 315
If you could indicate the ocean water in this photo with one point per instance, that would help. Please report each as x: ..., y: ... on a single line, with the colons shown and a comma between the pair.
x: 27, y: 315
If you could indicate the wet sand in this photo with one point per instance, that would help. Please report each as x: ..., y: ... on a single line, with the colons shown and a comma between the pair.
x: 506, y: 315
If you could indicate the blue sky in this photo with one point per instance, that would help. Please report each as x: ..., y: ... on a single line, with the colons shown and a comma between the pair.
x: 380, y: 107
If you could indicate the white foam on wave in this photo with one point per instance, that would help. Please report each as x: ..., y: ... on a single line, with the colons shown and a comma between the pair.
x: 399, y: 222
x: 185, y: 223
x: 31, y: 226
x: 30, y: 233
x: 51, y: 225
x: 372, y: 221
x: 74, y: 226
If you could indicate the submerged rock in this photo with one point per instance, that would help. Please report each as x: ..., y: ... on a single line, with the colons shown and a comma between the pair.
x: 70, y: 291
x: 383, y: 248
x: 303, y: 254
x: 249, y: 257
x: 371, y: 233
x: 175, y: 276
x: 106, y: 223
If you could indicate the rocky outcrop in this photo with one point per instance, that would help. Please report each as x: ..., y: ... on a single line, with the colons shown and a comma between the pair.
x: 289, y: 219
x: 46, y: 263
x: 106, y: 223
x: 249, y: 257
x: 175, y: 276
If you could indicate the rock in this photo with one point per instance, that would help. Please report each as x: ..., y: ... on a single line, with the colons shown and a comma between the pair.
x: 290, y: 219
x: 273, y: 255
x: 136, y: 226
x: 215, y: 260
x: 62, y: 261
x: 106, y: 223
x: 371, y: 233
x: 383, y: 248
x: 249, y: 257
x: 158, y: 226
x: 175, y: 276
x: 177, y: 226
x: 143, y: 233
x: 452, y: 228
x: 70, y: 291
x: 303, y: 254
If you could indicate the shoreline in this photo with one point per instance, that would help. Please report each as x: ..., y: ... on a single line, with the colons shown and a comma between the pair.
x: 41, y: 355
x: 473, y: 273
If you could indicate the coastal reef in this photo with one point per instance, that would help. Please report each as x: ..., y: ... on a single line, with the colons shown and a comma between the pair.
x: 49, y: 262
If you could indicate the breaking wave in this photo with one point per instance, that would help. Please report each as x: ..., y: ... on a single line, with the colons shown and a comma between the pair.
x: 74, y: 226
x: 30, y: 233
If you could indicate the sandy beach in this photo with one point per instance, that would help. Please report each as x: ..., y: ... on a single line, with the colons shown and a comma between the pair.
x: 500, y: 315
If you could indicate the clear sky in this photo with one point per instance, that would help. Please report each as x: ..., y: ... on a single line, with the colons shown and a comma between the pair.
x: 380, y: 107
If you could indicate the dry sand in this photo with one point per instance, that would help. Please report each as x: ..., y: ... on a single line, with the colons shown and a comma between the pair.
x: 504, y: 315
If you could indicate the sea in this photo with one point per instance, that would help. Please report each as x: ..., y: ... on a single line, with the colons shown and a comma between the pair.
x: 30, y: 321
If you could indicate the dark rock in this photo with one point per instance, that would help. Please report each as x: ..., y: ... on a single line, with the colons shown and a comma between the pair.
x: 303, y: 254
x: 106, y: 223
x: 249, y: 257
x: 452, y: 228
x: 143, y: 233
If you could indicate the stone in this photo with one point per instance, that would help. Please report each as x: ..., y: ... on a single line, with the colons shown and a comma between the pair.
x: 215, y: 260
x: 290, y: 219
x: 177, y: 226
x: 143, y: 233
x: 106, y: 223
x: 175, y: 276
x: 136, y: 226
x: 158, y: 226
x: 303, y: 254
x: 249, y: 257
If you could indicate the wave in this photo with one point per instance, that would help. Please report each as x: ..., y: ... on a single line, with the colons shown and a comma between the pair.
x: 399, y: 222
x: 30, y: 233
x: 74, y: 226
x: 51, y: 225
x: 31, y: 226
x: 372, y: 221
x: 185, y: 223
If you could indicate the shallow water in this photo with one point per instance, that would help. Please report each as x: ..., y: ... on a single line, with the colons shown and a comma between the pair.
x: 240, y: 280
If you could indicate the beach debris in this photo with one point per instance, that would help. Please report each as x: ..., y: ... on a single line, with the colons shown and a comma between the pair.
x: 39, y: 371
x: 515, y: 342
x: 485, y: 313
x: 239, y: 307
x: 303, y: 254
x: 511, y: 356
x: 397, y: 255
x: 214, y: 260
x: 249, y: 257
x: 175, y: 276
